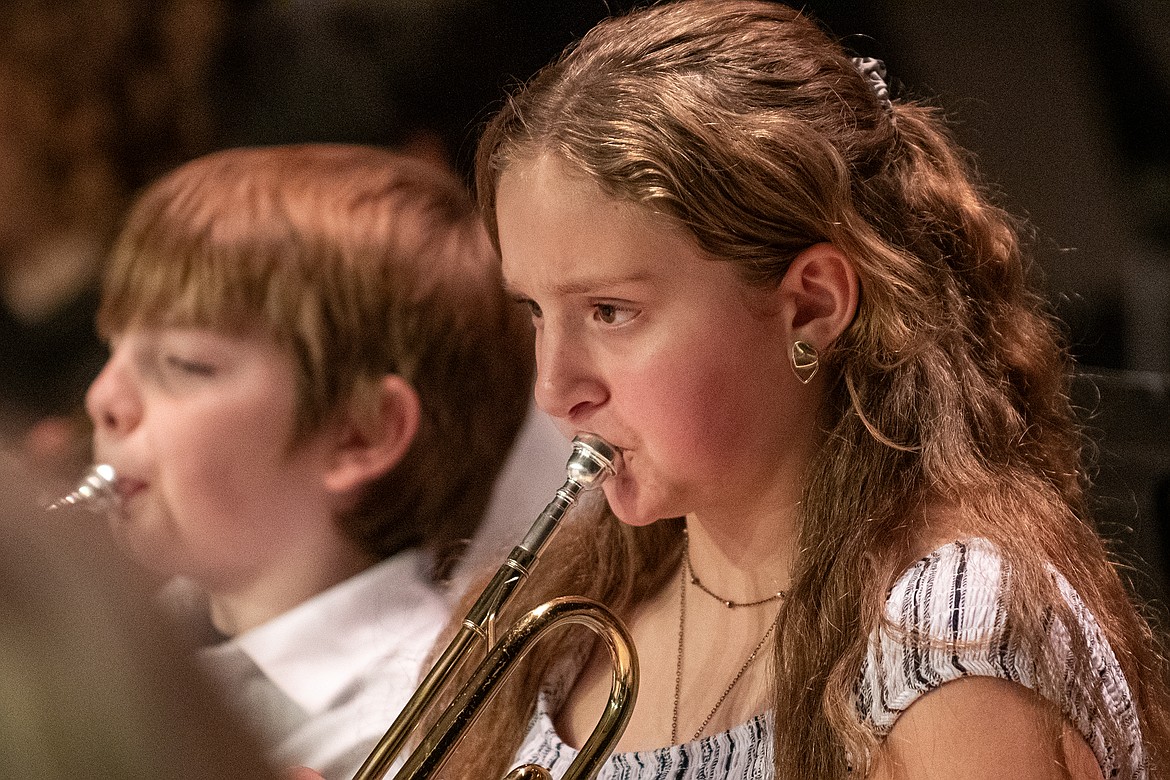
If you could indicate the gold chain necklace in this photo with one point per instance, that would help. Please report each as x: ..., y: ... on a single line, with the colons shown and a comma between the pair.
x: 688, y: 573
x: 726, y: 602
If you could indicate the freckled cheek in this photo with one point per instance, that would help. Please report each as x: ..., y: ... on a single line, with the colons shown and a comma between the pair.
x: 713, y: 423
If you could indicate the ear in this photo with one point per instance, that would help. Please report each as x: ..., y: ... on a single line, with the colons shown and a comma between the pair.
x: 374, y: 434
x: 818, y: 295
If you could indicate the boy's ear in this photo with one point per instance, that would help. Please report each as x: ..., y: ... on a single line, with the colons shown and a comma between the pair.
x: 819, y: 295
x: 374, y: 434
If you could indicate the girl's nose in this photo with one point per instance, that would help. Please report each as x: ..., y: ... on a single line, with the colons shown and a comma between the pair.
x: 568, y: 386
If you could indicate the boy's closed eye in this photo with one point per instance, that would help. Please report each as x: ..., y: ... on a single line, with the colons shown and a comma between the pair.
x: 183, y: 365
x: 175, y: 357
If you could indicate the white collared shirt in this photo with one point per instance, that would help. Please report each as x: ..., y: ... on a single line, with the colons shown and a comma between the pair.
x: 324, y: 681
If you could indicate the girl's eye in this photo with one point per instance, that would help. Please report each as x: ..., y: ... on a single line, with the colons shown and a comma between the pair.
x: 613, y: 314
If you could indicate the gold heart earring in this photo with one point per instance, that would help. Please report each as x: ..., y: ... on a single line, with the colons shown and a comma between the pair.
x: 805, y: 361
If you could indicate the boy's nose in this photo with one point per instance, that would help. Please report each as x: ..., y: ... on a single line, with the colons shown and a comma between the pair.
x: 112, y: 401
x: 567, y: 385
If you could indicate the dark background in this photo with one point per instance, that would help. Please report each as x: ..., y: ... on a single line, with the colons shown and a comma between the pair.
x: 1066, y: 104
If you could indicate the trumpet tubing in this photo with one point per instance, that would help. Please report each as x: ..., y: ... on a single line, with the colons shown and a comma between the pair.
x: 428, y: 758
x: 593, y: 460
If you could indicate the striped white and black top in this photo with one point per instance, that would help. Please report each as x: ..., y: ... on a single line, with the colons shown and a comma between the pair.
x: 743, y: 752
x: 947, y: 620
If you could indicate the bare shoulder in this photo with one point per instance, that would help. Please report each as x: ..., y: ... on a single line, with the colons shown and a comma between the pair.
x: 981, y: 728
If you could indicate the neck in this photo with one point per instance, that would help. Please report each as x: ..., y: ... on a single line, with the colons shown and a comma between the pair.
x: 743, y: 561
x: 744, y: 544
x: 241, y: 606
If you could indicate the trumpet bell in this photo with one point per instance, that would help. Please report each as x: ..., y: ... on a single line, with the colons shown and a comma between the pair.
x: 529, y: 772
x: 427, y: 759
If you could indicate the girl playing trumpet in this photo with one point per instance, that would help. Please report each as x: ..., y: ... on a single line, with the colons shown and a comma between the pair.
x: 850, y: 536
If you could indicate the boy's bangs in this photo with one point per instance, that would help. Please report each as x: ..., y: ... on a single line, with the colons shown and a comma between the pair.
x: 178, y: 286
x: 227, y: 290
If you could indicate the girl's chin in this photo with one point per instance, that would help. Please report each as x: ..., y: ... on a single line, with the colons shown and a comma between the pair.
x: 635, y: 520
x: 627, y: 510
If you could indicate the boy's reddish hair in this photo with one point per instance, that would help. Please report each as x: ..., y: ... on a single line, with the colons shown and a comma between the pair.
x: 362, y: 262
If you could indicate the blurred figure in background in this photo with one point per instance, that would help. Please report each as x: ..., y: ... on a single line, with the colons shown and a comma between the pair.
x: 97, y: 99
x: 315, y: 376
x: 418, y: 78
x: 94, y: 684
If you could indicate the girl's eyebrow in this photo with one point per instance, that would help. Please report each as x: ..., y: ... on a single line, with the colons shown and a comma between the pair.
x: 586, y: 286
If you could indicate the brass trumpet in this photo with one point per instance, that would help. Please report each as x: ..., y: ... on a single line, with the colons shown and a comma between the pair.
x: 591, y: 462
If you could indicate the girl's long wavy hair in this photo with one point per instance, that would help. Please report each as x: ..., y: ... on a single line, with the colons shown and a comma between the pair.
x: 750, y: 126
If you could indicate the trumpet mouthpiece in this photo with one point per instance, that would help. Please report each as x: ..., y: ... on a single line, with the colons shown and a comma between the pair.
x: 593, y: 460
x: 95, y: 491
